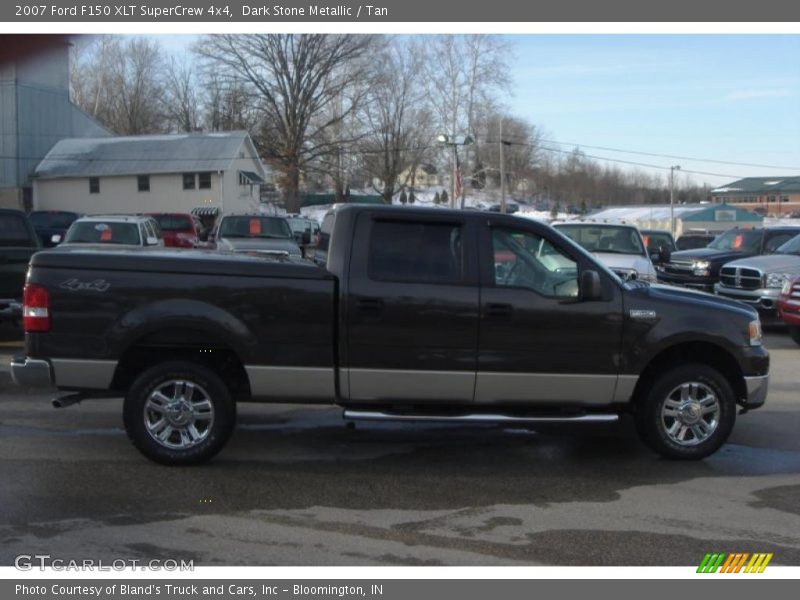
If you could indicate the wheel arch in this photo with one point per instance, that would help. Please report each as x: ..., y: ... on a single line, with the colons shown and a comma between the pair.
x: 703, y: 352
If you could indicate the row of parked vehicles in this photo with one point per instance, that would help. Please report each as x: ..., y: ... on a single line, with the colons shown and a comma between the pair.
x: 21, y: 235
x: 758, y: 266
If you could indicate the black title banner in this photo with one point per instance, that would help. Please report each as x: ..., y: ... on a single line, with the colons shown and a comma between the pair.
x: 377, y: 11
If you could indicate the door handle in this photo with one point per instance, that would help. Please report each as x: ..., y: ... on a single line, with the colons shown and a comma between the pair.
x: 498, y: 311
x: 372, y: 305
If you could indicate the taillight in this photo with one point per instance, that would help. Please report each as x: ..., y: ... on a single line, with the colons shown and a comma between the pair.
x: 35, y: 308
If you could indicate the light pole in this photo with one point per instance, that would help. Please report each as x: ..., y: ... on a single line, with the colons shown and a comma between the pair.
x: 672, y: 170
x: 455, y: 142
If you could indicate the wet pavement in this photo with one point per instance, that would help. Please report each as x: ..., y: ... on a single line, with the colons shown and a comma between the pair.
x: 296, y: 487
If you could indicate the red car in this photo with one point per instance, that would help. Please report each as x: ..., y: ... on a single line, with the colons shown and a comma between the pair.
x: 789, y: 307
x: 181, y: 230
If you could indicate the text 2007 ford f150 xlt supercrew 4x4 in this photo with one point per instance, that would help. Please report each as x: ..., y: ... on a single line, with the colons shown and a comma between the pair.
x: 420, y: 314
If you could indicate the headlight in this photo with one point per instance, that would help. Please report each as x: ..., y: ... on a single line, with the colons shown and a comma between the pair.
x: 754, y: 332
x: 700, y: 268
x: 787, y: 287
x: 777, y: 280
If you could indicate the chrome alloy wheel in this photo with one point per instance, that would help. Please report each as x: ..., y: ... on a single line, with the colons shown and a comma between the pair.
x: 179, y: 414
x: 690, y: 413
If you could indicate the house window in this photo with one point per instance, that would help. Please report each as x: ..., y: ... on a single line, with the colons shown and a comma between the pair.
x: 143, y: 183
x: 242, y: 179
x: 188, y: 181
x: 204, y: 181
x: 94, y: 185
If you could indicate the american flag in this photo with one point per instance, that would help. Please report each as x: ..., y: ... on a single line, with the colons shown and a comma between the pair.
x: 459, y: 184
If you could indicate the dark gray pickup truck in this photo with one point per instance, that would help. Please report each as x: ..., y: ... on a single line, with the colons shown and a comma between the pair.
x: 418, y: 314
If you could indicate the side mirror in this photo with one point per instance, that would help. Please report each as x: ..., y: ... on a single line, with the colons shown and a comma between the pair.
x: 664, y: 255
x: 152, y: 241
x: 55, y: 239
x: 305, y: 239
x: 591, y: 287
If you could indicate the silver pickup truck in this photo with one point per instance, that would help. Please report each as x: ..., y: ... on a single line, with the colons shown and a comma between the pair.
x: 757, y: 280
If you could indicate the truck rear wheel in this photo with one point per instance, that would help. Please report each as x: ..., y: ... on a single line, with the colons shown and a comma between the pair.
x: 794, y: 332
x: 688, y: 412
x: 179, y: 413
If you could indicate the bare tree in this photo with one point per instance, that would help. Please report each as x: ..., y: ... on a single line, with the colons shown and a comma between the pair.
x: 119, y: 83
x: 294, y: 78
x: 180, y: 99
x: 396, y: 118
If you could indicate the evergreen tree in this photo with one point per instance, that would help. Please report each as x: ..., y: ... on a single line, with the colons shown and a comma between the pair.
x: 411, y: 198
x: 444, y: 198
x: 436, y: 199
x: 555, y: 210
x: 403, y: 197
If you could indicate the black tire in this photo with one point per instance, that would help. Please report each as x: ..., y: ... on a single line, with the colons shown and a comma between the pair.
x: 794, y: 332
x: 189, y: 389
x: 657, y: 426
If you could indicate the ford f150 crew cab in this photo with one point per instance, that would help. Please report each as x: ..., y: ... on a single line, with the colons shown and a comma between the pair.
x: 418, y: 314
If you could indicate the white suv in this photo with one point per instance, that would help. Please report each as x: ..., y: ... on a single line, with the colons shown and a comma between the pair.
x: 121, y: 230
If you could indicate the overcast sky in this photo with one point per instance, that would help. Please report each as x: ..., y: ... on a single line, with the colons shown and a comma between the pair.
x: 724, y: 97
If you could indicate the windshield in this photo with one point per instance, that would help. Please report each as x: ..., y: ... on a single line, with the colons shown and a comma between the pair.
x: 790, y: 247
x: 612, y: 240
x: 738, y: 240
x: 174, y: 222
x: 300, y: 225
x: 52, y: 220
x: 254, y: 227
x: 100, y: 232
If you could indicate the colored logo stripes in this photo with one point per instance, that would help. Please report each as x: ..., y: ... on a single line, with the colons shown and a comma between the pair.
x: 735, y: 562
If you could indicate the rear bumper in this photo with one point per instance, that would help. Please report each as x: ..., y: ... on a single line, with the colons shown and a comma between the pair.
x: 31, y: 372
x: 756, y: 391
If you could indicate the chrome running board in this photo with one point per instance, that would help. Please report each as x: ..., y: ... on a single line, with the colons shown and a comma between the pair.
x: 365, y: 415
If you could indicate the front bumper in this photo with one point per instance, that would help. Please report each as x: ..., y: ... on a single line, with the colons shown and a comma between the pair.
x: 764, y: 300
x: 756, y: 391
x: 703, y: 284
x: 31, y: 372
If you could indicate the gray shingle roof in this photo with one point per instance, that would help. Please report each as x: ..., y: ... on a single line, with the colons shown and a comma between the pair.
x: 760, y: 185
x: 141, y: 155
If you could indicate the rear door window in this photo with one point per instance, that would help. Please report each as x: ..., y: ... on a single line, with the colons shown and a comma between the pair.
x: 416, y: 252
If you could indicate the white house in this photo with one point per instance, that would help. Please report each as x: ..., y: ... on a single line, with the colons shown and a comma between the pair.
x: 151, y: 173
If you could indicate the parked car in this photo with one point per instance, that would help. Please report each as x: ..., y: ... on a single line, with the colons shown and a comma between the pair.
x: 179, y: 230
x: 511, y: 208
x: 758, y: 280
x: 699, y: 269
x: 789, y: 307
x: 619, y: 247
x: 411, y: 320
x: 255, y: 233
x: 304, y: 230
x: 18, y: 242
x: 119, y: 230
x: 659, y: 244
x: 51, y: 225
x: 693, y: 240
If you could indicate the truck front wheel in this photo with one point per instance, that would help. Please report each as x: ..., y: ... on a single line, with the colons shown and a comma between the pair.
x: 687, y: 413
x: 179, y: 413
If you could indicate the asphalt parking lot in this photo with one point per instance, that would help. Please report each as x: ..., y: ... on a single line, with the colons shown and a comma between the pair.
x: 296, y: 487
